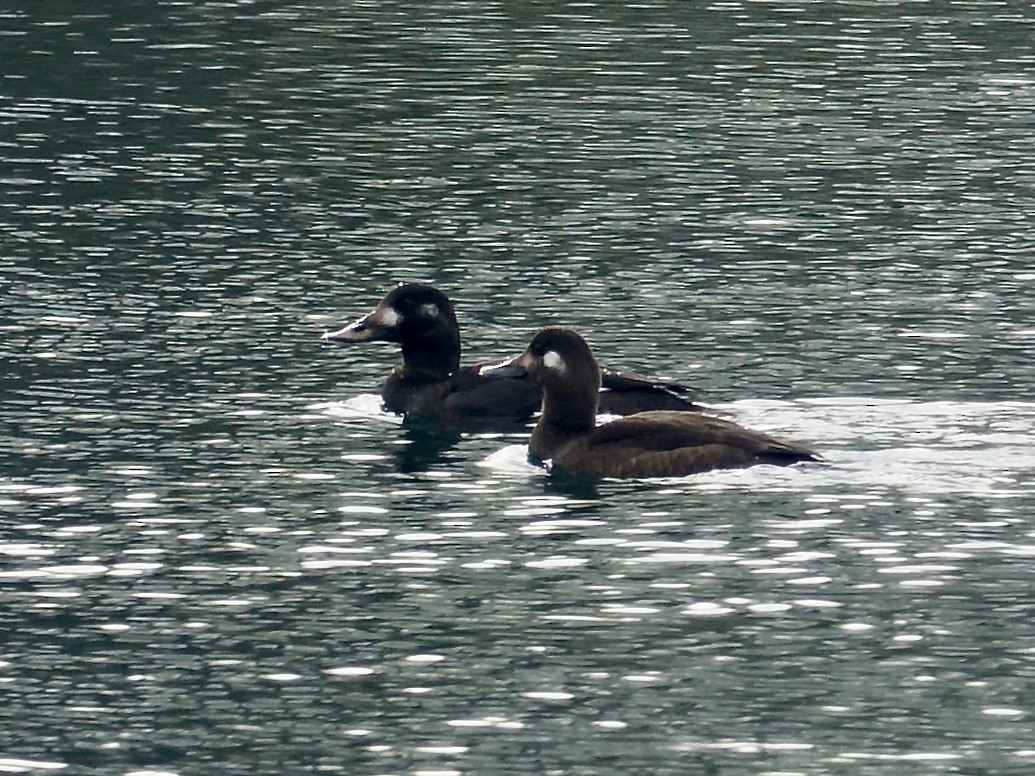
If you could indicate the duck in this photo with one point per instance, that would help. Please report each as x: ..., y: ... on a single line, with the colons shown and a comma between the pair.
x: 431, y: 383
x: 645, y: 445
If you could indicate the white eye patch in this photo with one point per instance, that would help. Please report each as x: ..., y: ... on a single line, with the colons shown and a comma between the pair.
x: 430, y: 309
x: 553, y: 360
x: 389, y: 317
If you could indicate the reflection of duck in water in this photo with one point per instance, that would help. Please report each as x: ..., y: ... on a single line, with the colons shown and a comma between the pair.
x: 425, y: 444
x: 431, y: 383
x: 649, y: 444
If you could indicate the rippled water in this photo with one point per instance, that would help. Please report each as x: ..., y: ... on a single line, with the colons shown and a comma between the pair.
x: 217, y: 554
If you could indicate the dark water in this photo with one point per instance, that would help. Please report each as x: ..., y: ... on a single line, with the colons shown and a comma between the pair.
x: 218, y: 556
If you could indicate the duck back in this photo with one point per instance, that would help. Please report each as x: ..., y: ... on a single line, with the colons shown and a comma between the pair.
x: 669, y: 444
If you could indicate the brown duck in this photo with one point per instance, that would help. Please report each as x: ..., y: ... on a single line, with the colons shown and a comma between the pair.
x: 648, y: 444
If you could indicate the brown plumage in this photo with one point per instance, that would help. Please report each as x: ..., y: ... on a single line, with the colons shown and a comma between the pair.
x: 649, y: 444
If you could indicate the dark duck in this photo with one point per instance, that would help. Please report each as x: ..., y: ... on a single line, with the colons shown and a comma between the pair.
x: 649, y: 444
x: 431, y: 383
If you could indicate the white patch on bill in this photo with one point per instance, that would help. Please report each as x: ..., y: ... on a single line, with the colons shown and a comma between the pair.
x: 553, y: 360
x: 389, y: 317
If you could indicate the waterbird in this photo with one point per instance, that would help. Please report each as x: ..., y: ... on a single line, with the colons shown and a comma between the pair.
x: 431, y: 383
x: 647, y: 444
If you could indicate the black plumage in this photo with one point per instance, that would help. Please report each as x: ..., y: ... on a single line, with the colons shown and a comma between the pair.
x: 431, y: 383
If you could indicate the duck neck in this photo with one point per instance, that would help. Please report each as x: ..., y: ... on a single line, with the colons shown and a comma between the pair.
x: 433, y: 356
x: 576, y: 416
x: 572, y: 409
x: 564, y: 418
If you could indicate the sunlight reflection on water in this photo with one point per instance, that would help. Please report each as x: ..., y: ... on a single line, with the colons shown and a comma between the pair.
x: 940, y: 447
x: 217, y: 550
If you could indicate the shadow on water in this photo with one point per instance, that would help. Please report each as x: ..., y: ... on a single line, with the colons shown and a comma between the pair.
x: 575, y: 485
x: 423, y: 444
x: 426, y: 442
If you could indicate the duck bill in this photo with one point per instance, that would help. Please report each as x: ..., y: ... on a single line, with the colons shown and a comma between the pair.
x: 365, y: 329
x: 515, y: 367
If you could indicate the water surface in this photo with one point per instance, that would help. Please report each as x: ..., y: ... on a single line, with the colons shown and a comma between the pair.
x: 218, y: 555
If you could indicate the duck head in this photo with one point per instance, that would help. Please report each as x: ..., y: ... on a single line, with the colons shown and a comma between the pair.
x: 561, y: 362
x: 417, y: 316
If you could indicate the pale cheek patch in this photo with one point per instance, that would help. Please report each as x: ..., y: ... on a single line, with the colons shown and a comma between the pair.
x: 552, y: 360
x: 388, y: 317
x: 430, y: 310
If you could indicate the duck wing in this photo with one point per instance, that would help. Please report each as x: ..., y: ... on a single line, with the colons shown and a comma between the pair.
x: 622, y: 393
x: 672, y: 444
